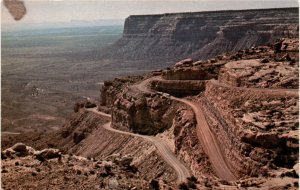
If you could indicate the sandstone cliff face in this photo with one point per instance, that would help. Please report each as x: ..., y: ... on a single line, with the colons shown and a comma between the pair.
x: 111, y: 88
x: 142, y: 113
x: 155, y: 113
x: 187, y: 145
x: 201, y: 35
x: 179, y: 88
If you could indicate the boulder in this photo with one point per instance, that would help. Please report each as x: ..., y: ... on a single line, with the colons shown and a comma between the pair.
x: 198, y: 63
x: 8, y: 153
x: 47, y: 154
x: 265, y: 60
x: 113, y: 184
x: 184, y: 62
x: 20, y: 147
x: 187, y: 61
x: 178, y: 64
x: 267, y: 140
x: 247, y: 136
x: 213, y: 61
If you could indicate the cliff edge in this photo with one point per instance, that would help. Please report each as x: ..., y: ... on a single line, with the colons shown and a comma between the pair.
x: 200, y: 35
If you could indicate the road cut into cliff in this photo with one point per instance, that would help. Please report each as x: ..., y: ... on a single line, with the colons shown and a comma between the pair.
x: 182, y: 171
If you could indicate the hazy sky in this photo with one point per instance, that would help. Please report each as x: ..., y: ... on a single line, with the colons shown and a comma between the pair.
x: 43, y: 11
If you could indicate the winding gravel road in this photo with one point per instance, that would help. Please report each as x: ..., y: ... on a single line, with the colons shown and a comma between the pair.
x: 205, y: 135
x: 210, y: 143
x: 182, y: 171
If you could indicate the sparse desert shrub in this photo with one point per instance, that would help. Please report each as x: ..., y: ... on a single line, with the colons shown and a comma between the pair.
x: 33, y: 173
x: 77, y: 137
x: 154, y: 185
x: 78, y: 172
x: 65, y: 133
x: 108, y: 169
x: 192, y: 185
x: 193, y: 179
x: 78, y: 105
x: 192, y: 182
x: 132, y: 168
x: 183, y: 186
x: 104, y: 174
x: 89, y: 104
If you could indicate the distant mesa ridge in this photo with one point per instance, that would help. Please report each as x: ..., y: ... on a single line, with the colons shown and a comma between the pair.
x: 217, y: 11
x: 201, y: 35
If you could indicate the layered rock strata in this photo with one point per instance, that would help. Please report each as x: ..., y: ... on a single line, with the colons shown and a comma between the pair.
x: 26, y: 168
x: 270, y: 71
x: 255, y: 124
x: 109, y: 143
x: 201, y: 35
x: 110, y: 89
x: 178, y: 88
x: 187, y: 145
x: 144, y: 113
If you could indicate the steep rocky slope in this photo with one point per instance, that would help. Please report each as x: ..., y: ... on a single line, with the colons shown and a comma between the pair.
x: 251, y: 127
x: 231, y: 120
x: 26, y: 168
x: 255, y: 121
x: 201, y: 35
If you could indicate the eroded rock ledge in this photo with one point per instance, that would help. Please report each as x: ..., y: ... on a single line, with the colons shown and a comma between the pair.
x: 256, y: 123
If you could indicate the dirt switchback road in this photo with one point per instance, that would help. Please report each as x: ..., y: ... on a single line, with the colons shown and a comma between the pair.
x: 209, y: 143
x: 206, y: 137
x: 162, y: 148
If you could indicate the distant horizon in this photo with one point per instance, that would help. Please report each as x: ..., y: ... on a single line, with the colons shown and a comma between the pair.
x: 123, y: 19
x: 64, y: 11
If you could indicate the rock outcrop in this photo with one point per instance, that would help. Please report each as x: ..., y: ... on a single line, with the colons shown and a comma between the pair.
x: 109, y: 143
x: 256, y: 124
x: 201, y: 35
x: 269, y: 71
x: 244, y: 107
x: 67, y: 171
x: 253, y: 122
x: 111, y: 88
x: 179, y: 88
x: 144, y: 113
x: 187, y: 145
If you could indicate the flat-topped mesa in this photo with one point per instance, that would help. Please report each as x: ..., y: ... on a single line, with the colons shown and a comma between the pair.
x: 201, y: 35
